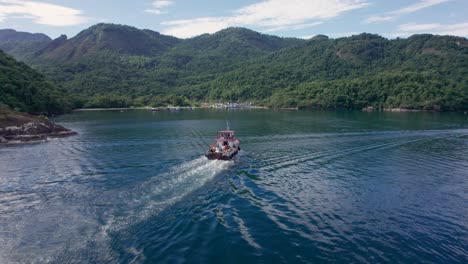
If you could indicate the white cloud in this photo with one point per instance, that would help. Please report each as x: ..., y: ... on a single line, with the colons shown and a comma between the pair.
x: 383, y: 18
x: 419, y: 27
x: 158, y: 5
x: 422, y: 4
x: 272, y: 15
x: 405, y: 30
x: 162, y: 3
x: 155, y: 11
x: 42, y: 13
x: 194, y: 27
x: 418, y: 6
x: 294, y: 27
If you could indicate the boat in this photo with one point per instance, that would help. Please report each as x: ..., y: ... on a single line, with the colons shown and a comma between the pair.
x: 225, y: 147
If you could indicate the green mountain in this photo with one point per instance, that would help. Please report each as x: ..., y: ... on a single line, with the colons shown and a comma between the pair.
x: 120, y: 60
x: 422, y: 72
x: 100, y: 38
x: 112, y: 65
x: 205, y: 57
x: 24, y: 89
x: 22, y: 44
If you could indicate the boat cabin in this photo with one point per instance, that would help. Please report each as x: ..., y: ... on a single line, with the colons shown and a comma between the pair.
x: 226, y: 134
x: 226, y: 139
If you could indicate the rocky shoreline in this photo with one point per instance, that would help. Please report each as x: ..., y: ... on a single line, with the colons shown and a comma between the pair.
x: 17, y: 128
x: 372, y: 109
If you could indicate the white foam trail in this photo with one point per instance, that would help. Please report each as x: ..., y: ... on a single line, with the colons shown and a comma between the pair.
x: 154, y: 195
x: 125, y: 208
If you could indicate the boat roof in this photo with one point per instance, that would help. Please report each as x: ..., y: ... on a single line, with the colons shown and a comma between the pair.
x: 226, y: 131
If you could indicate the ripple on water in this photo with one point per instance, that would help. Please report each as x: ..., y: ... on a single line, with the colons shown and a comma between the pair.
x: 312, y: 197
x: 122, y: 192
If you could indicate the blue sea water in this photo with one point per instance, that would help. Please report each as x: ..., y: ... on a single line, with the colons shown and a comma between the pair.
x: 307, y: 187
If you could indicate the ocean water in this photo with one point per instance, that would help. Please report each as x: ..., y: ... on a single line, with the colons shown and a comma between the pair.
x: 307, y: 187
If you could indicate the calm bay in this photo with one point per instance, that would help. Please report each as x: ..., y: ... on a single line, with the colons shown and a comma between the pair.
x: 308, y: 186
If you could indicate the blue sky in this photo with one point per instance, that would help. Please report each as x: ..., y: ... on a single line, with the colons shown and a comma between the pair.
x: 288, y: 18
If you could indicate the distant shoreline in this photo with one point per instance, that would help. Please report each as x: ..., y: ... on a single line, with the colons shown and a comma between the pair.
x: 391, y: 110
x: 115, y: 109
x: 162, y: 108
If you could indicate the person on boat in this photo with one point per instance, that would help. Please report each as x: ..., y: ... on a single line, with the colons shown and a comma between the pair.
x: 213, y: 148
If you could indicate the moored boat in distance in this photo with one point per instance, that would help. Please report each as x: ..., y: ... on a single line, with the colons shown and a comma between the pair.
x: 225, y: 147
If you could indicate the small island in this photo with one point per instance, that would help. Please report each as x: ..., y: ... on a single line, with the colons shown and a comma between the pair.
x: 18, y: 128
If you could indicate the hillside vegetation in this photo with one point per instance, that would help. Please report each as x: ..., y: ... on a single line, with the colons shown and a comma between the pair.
x: 22, y: 45
x: 24, y: 89
x: 113, y: 65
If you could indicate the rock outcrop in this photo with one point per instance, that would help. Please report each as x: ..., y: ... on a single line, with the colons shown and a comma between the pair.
x: 22, y: 128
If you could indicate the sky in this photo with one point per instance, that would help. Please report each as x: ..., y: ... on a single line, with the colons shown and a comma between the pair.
x: 286, y: 18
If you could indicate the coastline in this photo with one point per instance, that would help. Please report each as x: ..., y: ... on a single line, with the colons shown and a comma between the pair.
x: 163, y: 108
x: 115, y: 109
x: 366, y: 109
x: 20, y: 128
x: 406, y: 110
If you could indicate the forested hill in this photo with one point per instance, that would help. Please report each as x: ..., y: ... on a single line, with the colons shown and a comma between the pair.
x: 421, y: 72
x: 24, y: 89
x: 112, y: 65
x: 22, y: 45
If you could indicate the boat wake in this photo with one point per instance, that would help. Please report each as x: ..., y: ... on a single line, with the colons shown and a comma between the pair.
x: 97, y: 215
x: 154, y: 195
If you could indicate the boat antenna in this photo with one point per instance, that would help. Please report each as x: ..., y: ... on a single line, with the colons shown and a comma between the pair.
x: 227, y: 124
